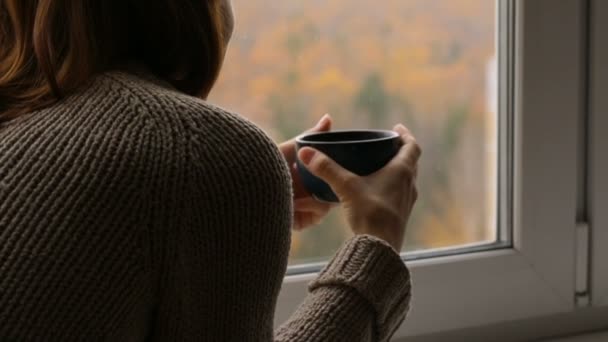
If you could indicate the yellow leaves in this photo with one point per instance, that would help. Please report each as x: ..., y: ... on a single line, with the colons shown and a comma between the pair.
x: 296, y: 244
x: 369, y: 52
x: 331, y: 81
x: 438, y: 231
x: 263, y: 85
x: 411, y: 73
x: 315, y: 57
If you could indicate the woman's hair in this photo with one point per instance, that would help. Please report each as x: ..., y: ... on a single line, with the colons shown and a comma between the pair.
x: 48, y: 48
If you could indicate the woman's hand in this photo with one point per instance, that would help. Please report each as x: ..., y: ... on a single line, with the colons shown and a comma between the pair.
x: 379, y: 204
x: 307, y: 210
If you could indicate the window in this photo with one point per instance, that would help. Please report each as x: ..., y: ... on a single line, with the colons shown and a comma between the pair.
x: 493, y: 90
x: 431, y: 64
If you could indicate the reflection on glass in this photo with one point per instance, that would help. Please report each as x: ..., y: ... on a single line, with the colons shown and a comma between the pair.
x: 429, y: 64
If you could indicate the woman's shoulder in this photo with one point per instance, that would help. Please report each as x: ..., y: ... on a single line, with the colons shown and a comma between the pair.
x: 169, y: 109
x: 200, y: 131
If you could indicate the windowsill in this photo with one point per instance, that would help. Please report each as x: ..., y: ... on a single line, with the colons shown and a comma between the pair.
x: 551, y: 328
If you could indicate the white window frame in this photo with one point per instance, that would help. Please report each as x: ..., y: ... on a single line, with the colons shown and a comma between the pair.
x: 598, y: 151
x: 536, y: 275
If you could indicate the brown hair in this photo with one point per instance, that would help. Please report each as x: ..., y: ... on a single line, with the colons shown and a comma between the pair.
x: 48, y: 48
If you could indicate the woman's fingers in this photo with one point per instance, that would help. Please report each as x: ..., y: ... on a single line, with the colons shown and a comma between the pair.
x: 288, y: 148
x: 343, y: 182
x: 309, y: 212
x: 309, y: 204
x: 406, y: 160
x: 304, y: 220
x: 410, y: 151
x: 323, y: 125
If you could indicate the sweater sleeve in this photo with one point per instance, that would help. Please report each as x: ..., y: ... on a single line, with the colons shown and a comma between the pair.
x: 363, y: 294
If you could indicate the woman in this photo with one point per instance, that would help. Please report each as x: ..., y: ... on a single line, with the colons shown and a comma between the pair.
x: 131, y: 209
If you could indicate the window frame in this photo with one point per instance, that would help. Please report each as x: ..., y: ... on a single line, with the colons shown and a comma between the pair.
x: 598, y: 145
x: 536, y: 275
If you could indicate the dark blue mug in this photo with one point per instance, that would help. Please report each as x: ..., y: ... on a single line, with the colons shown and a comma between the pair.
x: 362, y: 152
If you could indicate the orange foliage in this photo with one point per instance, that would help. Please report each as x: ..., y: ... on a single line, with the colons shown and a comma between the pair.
x: 315, y: 55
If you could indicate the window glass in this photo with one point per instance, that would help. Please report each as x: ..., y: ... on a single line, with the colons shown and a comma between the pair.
x: 430, y: 64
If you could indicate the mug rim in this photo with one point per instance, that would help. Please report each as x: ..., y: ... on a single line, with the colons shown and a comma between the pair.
x: 302, y: 138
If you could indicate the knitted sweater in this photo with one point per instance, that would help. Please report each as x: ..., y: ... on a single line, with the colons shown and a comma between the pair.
x: 132, y: 212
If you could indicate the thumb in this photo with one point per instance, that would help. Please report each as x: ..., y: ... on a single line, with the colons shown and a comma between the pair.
x: 339, y: 179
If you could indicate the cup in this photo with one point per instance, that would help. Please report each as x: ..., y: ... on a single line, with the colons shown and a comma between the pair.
x: 362, y: 152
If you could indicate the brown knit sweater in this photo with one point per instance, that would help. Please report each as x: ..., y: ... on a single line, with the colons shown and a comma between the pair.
x: 131, y: 212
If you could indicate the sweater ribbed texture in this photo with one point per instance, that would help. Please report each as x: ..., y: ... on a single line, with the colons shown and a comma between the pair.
x: 132, y: 212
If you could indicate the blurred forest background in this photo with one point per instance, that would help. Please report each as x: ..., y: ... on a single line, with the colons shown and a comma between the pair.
x: 371, y: 64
